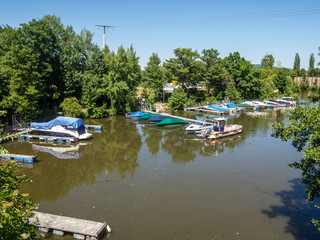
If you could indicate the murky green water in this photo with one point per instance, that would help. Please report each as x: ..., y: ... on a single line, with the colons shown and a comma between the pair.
x: 160, y: 183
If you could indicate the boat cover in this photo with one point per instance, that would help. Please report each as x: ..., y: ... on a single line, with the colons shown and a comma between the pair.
x: 64, y: 121
x: 171, y: 121
x: 158, y: 118
x: 230, y: 105
x: 136, y: 114
x: 147, y: 116
x: 217, y: 107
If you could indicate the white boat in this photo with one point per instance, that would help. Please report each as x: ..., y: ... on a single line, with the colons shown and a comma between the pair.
x: 220, y: 130
x: 257, y: 104
x: 192, y: 128
x: 287, y: 101
x: 274, y: 103
x: 62, y: 127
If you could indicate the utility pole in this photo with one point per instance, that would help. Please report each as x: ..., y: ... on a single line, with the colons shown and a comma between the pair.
x: 104, y: 33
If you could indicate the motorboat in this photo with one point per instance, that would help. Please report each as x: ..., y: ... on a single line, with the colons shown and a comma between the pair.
x: 198, y: 126
x: 257, y: 104
x: 287, y: 101
x: 221, y: 129
x: 62, y: 127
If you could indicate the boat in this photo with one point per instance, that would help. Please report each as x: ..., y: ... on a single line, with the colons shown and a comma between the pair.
x: 257, y: 104
x: 198, y: 126
x: 171, y: 121
x: 245, y: 106
x: 156, y: 119
x: 287, y: 101
x: 274, y: 103
x: 62, y: 127
x: 147, y: 116
x: 220, y: 130
x: 136, y: 114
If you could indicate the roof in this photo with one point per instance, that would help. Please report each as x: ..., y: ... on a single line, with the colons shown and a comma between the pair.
x: 64, y: 121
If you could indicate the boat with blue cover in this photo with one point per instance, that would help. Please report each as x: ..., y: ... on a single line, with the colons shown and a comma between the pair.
x: 136, y: 114
x: 62, y: 127
x: 156, y: 119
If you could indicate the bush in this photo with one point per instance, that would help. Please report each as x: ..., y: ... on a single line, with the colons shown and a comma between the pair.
x: 178, y: 99
x: 71, y: 107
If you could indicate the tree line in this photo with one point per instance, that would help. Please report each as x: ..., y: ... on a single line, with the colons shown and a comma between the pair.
x: 46, y: 66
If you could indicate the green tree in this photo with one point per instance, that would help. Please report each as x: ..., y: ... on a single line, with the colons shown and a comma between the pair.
x: 303, y: 129
x: 311, y: 61
x: 232, y: 92
x: 214, y: 75
x: 154, y: 76
x: 296, y: 64
x: 15, y: 207
x: 71, y: 107
x: 267, y: 61
x: 184, y: 68
x: 242, y: 73
x: 178, y: 99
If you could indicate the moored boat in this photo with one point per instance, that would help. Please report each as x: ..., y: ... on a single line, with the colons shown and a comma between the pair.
x: 171, y: 121
x: 62, y: 127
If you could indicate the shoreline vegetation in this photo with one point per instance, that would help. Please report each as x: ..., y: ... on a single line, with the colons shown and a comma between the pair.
x: 46, y: 67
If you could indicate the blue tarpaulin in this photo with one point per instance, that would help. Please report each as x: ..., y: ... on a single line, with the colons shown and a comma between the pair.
x: 231, y: 105
x: 136, y: 114
x: 64, y: 121
x: 217, y: 107
x: 158, y: 118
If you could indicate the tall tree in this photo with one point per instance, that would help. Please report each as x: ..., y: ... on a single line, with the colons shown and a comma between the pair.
x: 267, y: 61
x: 296, y: 64
x: 154, y: 75
x: 242, y: 73
x: 311, y: 61
x: 214, y: 75
x: 184, y: 68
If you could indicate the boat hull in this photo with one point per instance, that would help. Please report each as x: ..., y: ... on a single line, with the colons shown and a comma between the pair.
x: 229, y: 131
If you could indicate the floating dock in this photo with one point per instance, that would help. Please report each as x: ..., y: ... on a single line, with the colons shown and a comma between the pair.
x: 81, y: 229
x: 47, y: 138
x: 96, y: 127
x: 19, y: 157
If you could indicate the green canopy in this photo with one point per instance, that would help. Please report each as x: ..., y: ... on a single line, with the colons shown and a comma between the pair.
x: 171, y: 121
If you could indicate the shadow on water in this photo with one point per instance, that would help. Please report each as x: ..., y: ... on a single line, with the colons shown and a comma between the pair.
x: 299, y: 211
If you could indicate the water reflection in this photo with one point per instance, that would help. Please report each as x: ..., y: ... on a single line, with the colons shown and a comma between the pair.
x: 62, y: 151
x: 115, y: 151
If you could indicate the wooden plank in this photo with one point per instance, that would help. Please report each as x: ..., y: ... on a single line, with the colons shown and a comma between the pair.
x: 69, y: 224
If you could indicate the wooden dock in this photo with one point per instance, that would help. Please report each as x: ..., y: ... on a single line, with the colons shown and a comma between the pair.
x: 19, y: 157
x: 81, y: 229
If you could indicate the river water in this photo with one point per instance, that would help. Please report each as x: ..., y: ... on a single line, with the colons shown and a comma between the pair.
x: 159, y: 183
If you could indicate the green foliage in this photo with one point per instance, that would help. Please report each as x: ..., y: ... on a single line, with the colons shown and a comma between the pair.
x: 178, y: 99
x: 71, y: 107
x: 267, y: 61
x: 242, y: 73
x: 303, y: 129
x: 154, y: 76
x: 232, y: 92
x: 296, y: 64
x: 15, y: 207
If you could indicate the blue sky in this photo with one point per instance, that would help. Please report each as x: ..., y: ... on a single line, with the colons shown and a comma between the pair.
x: 252, y: 28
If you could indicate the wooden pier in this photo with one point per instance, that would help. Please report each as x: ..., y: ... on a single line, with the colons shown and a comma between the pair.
x: 81, y: 229
x: 19, y: 157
